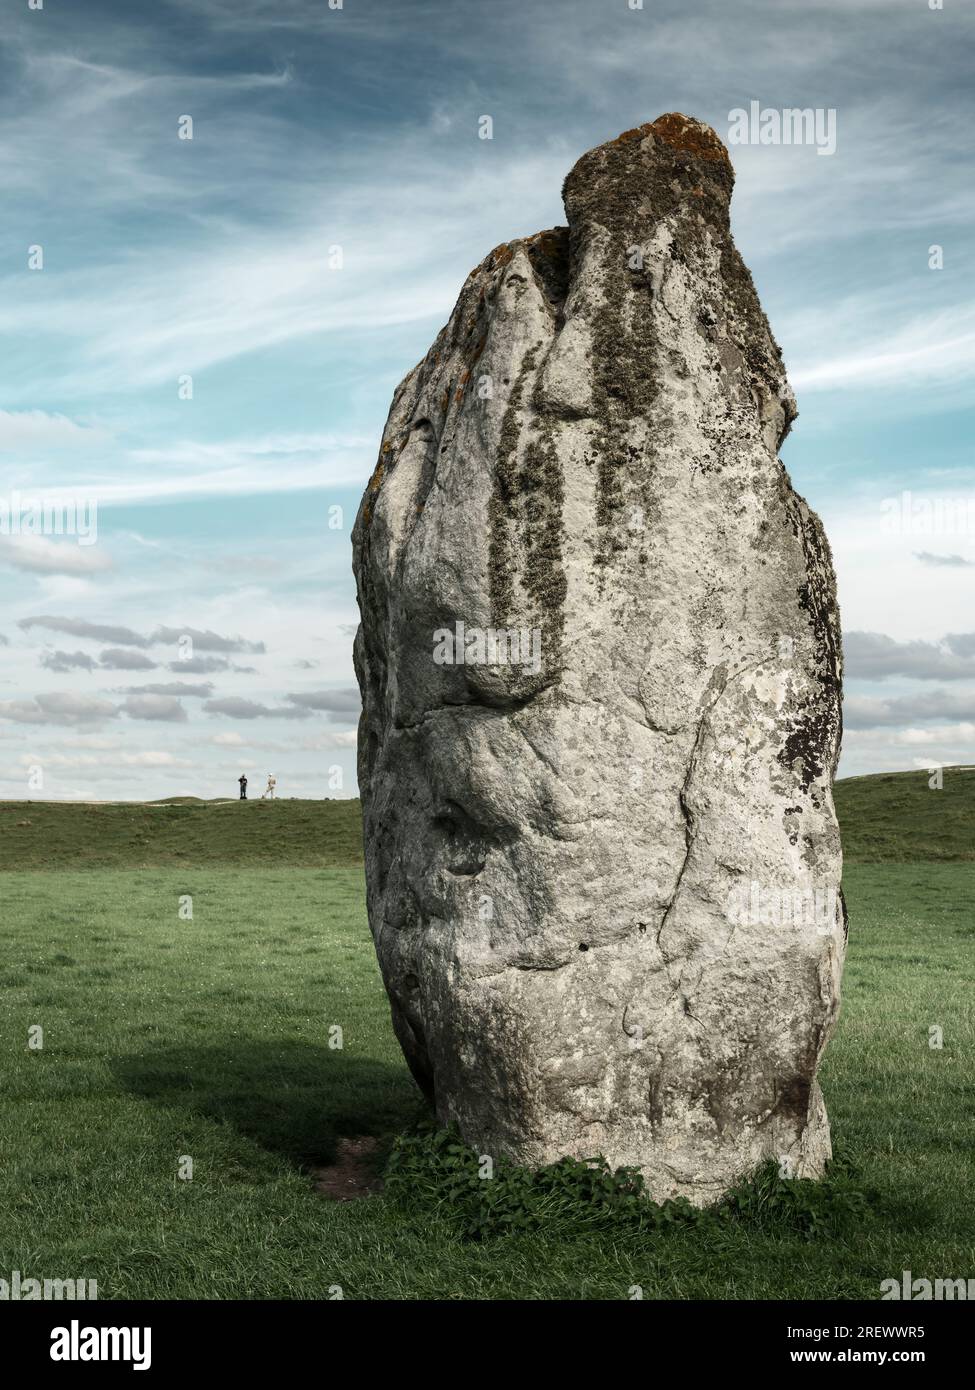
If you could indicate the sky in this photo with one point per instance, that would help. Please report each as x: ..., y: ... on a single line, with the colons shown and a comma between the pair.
x: 200, y: 337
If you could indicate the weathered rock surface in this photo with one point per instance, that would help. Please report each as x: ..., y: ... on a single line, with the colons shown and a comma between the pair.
x: 604, y: 884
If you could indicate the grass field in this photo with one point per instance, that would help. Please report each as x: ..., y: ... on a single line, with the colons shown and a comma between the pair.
x: 140, y: 835
x: 209, y: 1038
x: 897, y: 818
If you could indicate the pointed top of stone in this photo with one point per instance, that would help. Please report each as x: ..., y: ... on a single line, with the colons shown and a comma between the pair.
x: 672, y: 162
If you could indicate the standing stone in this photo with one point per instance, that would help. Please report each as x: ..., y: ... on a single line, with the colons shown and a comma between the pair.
x: 600, y: 665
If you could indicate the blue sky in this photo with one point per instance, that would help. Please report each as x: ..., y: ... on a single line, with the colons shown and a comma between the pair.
x: 316, y: 128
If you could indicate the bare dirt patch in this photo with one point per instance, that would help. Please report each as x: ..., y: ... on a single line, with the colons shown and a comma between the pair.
x: 353, y: 1174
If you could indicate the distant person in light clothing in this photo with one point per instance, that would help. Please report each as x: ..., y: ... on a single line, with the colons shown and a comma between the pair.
x: 272, y: 782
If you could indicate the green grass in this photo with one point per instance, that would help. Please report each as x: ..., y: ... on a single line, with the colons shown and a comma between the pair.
x: 891, y: 818
x: 140, y: 835
x: 210, y: 1038
x: 898, y: 818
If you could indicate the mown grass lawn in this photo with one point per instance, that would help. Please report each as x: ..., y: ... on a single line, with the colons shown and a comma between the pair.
x: 60, y: 835
x: 209, y: 1038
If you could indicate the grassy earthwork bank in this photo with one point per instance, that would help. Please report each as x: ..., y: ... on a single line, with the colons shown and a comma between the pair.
x: 212, y: 1037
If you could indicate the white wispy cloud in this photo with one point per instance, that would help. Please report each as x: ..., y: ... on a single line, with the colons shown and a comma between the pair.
x: 42, y: 556
x: 38, y: 432
x: 933, y: 349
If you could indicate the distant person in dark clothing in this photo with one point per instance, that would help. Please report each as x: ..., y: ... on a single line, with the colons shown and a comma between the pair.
x: 242, y: 779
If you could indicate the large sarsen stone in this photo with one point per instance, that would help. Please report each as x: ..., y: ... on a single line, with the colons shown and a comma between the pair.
x: 600, y: 665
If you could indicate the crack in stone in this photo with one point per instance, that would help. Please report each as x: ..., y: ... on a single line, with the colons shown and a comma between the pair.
x: 510, y: 704
x: 688, y: 830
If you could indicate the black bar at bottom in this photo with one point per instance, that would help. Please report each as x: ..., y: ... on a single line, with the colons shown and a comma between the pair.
x: 253, y: 1336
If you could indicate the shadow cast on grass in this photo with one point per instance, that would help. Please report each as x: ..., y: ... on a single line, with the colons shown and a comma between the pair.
x: 293, y: 1099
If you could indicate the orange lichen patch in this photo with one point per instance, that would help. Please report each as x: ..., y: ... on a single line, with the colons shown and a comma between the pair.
x: 681, y: 133
x: 459, y: 394
x: 374, y: 484
x: 637, y: 133
x: 494, y: 260
x: 548, y: 243
x: 465, y: 377
x: 693, y: 137
x: 376, y: 481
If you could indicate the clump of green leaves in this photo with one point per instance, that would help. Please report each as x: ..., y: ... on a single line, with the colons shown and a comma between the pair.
x: 837, y: 1205
x: 432, y: 1169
